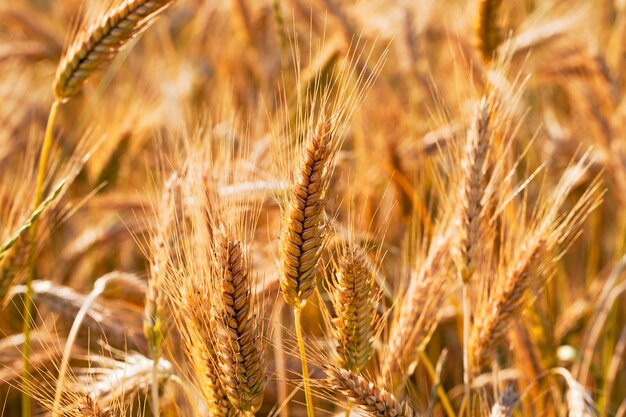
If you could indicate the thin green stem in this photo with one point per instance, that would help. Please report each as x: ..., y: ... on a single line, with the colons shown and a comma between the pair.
x: 28, y: 301
x: 305, y: 367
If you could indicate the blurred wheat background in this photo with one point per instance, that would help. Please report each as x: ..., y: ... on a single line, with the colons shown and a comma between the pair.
x: 299, y: 208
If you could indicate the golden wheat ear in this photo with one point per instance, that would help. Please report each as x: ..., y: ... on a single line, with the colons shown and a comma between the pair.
x: 355, y: 301
x: 238, y: 343
x: 303, y: 226
x: 101, y: 40
x: 366, y: 396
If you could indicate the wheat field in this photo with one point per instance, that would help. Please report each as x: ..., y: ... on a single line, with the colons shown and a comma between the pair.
x: 312, y: 208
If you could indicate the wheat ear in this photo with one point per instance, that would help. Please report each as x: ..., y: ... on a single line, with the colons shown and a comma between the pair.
x: 471, y: 219
x: 303, y: 233
x: 355, y: 304
x: 366, y: 396
x: 417, y: 311
x: 490, y: 329
x: 303, y: 227
x: 101, y: 40
x: 238, y: 344
x: 487, y: 34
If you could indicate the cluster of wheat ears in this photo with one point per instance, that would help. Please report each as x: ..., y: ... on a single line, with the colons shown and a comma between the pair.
x: 290, y: 208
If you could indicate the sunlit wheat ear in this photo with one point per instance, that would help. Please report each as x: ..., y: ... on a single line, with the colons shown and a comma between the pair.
x: 487, y: 32
x: 101, y: 40
x: 302, y: 226
x: 371, y: 399
x: 237, y: 342
x: 355, y: 301
x: 471, y: 218
x: 528, y: 262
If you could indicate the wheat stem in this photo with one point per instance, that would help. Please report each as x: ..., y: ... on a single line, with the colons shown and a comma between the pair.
x: 305, y: 367
x: 28, y: 302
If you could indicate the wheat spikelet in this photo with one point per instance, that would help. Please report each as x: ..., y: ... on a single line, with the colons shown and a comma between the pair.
x: 355, y: 305
x: 303, y: 228
x: 237, y: 340
x: 487, y: 34
x: 100, y: 42
x: 367, y: 396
